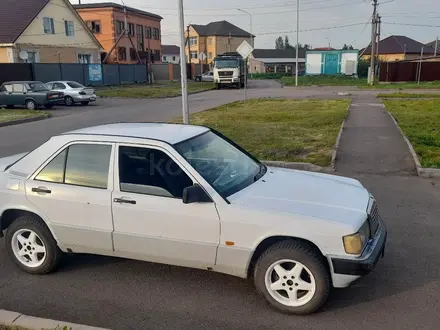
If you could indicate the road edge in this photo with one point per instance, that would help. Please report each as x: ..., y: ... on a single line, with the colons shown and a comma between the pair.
x: 338, y: 138
x: 421, y: 171
x: 14, y: 319
x: 24, y: 120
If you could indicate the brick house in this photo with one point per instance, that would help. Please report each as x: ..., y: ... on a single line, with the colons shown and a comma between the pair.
x: 107, y: 21
x: 45, y: 31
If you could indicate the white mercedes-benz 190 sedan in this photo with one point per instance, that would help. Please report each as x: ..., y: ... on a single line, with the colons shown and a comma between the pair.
x: 188, y: 196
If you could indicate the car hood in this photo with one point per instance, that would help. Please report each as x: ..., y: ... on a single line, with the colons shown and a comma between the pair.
x: 6, y: 161
x: 305, y: 193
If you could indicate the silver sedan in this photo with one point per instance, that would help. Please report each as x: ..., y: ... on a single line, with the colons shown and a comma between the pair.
x: 73, y: 92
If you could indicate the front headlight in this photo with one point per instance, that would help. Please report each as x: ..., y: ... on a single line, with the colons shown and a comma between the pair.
x: 353, y: 244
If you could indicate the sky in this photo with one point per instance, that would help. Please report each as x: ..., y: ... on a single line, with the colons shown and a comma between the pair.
x: 322, y: 22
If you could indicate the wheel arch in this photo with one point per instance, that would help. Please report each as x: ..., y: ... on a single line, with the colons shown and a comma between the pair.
x: 10, y: 214
x: 30, y: 99
x: 267, y: 242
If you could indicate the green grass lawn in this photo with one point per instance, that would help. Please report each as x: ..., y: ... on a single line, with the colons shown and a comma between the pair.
x: 409, y: 95
x: 419, y: 120
x: 280, y: 130
x: 169, y: 89
x: 11, y: 114
x: 339, y: 80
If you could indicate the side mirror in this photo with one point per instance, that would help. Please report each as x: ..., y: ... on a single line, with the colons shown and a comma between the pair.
x: 195, y: 194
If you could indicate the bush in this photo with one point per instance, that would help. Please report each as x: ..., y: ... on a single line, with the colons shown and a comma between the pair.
x: 363, y: 66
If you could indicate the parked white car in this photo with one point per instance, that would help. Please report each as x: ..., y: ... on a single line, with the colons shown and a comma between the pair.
x: 73, y: 92
x: 188, y: 196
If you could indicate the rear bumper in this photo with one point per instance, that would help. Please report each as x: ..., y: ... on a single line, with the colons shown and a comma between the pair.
x: 364, y: 264
x: 84, y: 98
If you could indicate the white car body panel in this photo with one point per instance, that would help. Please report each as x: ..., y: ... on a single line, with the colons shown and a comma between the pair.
x: 315, y: 207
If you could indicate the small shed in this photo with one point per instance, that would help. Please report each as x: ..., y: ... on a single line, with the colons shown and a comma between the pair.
x: 331, y: 62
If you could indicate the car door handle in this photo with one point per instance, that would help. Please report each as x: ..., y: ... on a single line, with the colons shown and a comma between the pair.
x: 41, y: 190
x: 124, y: 201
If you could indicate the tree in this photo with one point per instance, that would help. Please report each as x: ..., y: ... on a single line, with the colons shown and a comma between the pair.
x: 307, y: 47
x: 350, y: 47
x: 279, y: 43
x: 345, y: 47
x: 287, y: 44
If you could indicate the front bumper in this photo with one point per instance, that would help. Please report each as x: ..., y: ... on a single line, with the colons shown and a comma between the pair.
x: 374, y: 250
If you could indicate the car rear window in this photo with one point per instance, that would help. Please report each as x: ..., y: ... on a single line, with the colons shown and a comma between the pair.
x: 73, y: 84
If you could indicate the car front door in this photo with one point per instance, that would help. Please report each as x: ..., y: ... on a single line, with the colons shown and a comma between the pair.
x: 150, y: 219
x: 73, y: 189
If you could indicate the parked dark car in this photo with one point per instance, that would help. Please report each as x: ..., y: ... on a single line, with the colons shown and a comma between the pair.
x: 31, y: 94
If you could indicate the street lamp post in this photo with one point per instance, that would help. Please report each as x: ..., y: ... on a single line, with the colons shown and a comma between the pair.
x: 185, y: 110
x: 297, y: 43
x: 252, y: 44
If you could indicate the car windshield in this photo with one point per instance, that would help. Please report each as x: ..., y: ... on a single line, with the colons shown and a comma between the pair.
x: 38, y: 86
x: 74, y: 84
x: 222, y: 64
x: 224, y: 166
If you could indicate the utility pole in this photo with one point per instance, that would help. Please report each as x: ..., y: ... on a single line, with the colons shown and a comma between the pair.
x: 373, y: 42
x: 436, y: 45
x: 297, y: 43
x: 379, y: 23
x: 185, y: 110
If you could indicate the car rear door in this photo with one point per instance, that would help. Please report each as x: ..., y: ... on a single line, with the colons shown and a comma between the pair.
x: 73, y: 188
x: 19, y: 93
x: 151, y: 222
x: 5, y: 94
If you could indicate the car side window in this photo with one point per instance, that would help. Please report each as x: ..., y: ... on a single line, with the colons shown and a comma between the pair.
x: 85, y: 165
x: 7, y: 88
x: 58, y: 86
x: 150, y: 172
x: 18, y: 88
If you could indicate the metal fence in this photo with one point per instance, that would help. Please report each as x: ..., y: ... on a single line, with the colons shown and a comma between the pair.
x: 86, y: 74
x: 409, y: 71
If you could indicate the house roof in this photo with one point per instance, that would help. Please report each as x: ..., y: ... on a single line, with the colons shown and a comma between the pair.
x: 324, y: 48
x: 278, y: 53
x: 115, y: 6
x: 399, y: 45
x: 15, y: 16
x: 432, y: 45
x: 170, y: 49
x: 221, y: 29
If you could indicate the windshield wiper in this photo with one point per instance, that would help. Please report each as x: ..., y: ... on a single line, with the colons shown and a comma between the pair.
x: 262, y: 171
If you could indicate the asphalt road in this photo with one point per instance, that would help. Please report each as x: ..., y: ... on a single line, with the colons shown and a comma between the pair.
x: 400, y: 293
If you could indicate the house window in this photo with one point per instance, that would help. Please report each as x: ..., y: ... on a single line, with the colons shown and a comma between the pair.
x: 122, y: 54
x: 131, y: 29
x: 33, y: 57
x: 69, y: 28
x: 174, y: 58
x: 48, y: 25
x: 193, y: 55
x: 94, y: 26
x: 120, y: 27
x: 156, y: 34
x: 210, y: 55
x: 164, y: 58
x: 192, y: 41
x: 148, y: 33
x: 84, y: 58
x: 140, y: 37
x: 133, y: 55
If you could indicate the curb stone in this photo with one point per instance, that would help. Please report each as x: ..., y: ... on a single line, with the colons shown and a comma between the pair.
x: 338, y: 138
x: 152, y: 98
x: 421, y: 171
x: 24, y: 120
x: 14, y: 319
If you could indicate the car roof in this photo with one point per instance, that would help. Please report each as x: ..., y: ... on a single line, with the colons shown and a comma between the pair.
x: 169, y: 133
x: 22, y: 82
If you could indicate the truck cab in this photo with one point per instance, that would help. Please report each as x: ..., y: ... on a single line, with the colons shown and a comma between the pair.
x: 229, y: 70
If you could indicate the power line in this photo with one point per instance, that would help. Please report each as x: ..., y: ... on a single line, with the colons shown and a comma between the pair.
x: 363, y: 29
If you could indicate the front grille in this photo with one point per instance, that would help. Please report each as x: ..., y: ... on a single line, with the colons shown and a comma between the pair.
x: 374, y: 219
x: 225, y: 73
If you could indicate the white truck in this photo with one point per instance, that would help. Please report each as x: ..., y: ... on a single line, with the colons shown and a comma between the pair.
x: 229, y: 70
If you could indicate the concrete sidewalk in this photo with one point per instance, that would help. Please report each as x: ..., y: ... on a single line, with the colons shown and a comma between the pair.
x: 371, y: 143
x: 17, y: 320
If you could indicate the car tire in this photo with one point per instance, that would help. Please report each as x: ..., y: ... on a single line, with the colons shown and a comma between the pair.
x: 278, y: 283
x: 28, y: 234
x: 85, y: 103
x: 31, y: 105
x: 218, y: 86
x: 69, y: 101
